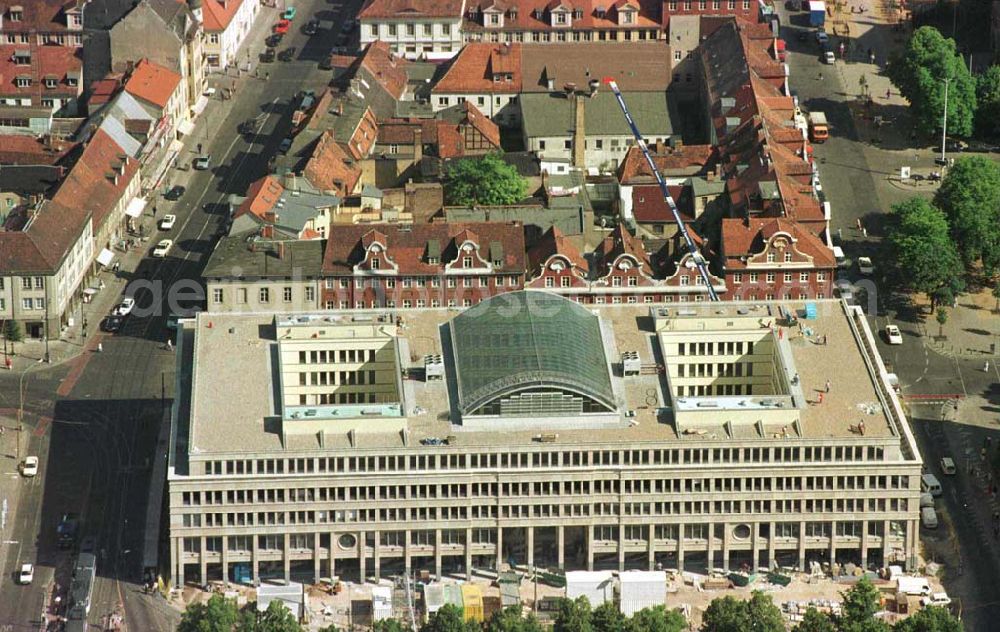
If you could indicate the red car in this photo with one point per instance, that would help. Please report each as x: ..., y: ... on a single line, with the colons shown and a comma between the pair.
x: 282, y: 26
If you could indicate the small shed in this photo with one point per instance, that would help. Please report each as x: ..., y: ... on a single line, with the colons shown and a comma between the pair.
x: 642, y: 589
x: 472, y: 602
x: 596, y: 586
x: 510, y: 594
x: 453, y: 596
x: 381, y: 603
x: 433, y: 598
x: 291, y: 595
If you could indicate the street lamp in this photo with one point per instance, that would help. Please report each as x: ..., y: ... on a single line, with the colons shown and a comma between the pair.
x: 944, y: 123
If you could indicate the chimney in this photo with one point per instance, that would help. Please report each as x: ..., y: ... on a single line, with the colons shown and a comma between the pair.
x: 418, y: 145
x: 579, y: 134
x: 267, y: 231
x: 594, y: 85
x: 569, y: 89
x: 280, y: 249
x: 551, y: 84
x: 291, y: 181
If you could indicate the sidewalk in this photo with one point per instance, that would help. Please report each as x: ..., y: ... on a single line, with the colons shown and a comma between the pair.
x: 72, y: 341
x: 972, y: 330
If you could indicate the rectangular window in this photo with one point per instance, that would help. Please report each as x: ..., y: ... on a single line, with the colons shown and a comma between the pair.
x: 26, y: 303
x: 286, y: 294
x: 787, y: 277
x: 753, y: 277
x: 770, y: 277
x: 264, y: 295
x: 310, y: 293
x: 737, y: 278
x: 804, y: 277
x: 820, y: 276
x: 217, y: 295
x: 26, y: 283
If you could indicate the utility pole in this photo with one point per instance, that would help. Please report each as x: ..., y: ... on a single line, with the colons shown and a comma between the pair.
x: 944, y: 123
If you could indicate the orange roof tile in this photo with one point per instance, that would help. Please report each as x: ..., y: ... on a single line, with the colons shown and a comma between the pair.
x: 330, y: 168
x: 216, y: 14
x: 153, y: 83
x: 476, y: 67
x: 262, y: 195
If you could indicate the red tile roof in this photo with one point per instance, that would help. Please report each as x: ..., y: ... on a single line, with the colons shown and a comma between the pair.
x: 410, y: 9
x: 620, y: 242
x: 28, y: 150
x: 474, y: 68
x: 103, y: 90
x: 44, y: 243
x: 447, y: 137
x: 330, y: 168
x: 407, y: 246
x: 46, y: 62
x: 153, y: 83
x: 635, y: 66
x: 649, y: 207
x: 98, y: 179
x: 746, y: 239
x: 589, y: 18
x: 385, y: 67
x: 687, y: 160
x: 261, y: 198
x: 46, y: 16
x: 554, y: 244
x: 216, y: 14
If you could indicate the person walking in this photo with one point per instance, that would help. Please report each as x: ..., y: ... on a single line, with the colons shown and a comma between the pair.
x: 828, y: 386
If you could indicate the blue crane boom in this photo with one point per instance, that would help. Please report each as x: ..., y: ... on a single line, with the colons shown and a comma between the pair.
x: 696, y: 256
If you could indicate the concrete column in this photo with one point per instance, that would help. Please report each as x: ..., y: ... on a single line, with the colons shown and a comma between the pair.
x: 316, y: 558
x: 886, y: 548
x: 651, y: 547
x: 203, y: 562
x: 770, y: 546
x: 910, y: 546
x: 833, y: 541
x: 287, y: 555
x: 362, y: 557
x: 864, y: 544
x: 333, y: 560
x: 499, y: 547
x: 590, y: 547
x: 561, y: 547
x: 755, y: 545
x: 621, y: 547
x: 255, y: 559
x: 437, y: 553
x: 177, y: 557
x: 225, y: 559
x: 468, y: 554
x: 407, y: 550
x: 726, y: 537
x: 681, y: 534
x: 710, y: 551
x: 378, y: 561
x: 802, y: 546
x: 530, y: 537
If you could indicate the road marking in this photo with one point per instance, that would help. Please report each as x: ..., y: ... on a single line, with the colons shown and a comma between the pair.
x: 959, y: 369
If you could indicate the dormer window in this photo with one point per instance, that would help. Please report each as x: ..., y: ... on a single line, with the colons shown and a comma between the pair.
x: 51, y: 82
x: 16, y: 14
x: 22, y: 57
x: 601, y: 12
x: 497, y: 263
x: 577, y: 14
x: 466, y: 262
x: 493, y: 19
x: 23, y: 82
x: 627, y: 16
x: 537, y: 13
x: 560, y: 18
x: 512, y: 13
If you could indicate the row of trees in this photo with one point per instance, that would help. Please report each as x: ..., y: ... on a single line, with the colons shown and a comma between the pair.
x: 920, y: 72
x: 937, y: 244
x: 724, y: 614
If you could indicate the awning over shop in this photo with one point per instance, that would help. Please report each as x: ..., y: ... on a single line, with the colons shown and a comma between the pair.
x: 185, y: 128
x: 200, y: 105
x: 135, y: 207
x: 106, y: 257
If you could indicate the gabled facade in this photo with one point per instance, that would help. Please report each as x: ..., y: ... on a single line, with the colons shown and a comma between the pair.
x: 427, y: 265
x: 48, y: 78
x: 414, y: 28
x: 226, y: 24
x: 486, y: 75
x: 162, y: 91
x: 555, y: 21
x: 42, y: 22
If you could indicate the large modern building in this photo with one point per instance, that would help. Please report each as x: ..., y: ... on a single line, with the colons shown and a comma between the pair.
x: 530, y: 429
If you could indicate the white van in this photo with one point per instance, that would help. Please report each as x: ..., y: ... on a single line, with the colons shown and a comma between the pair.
x: 928, y: 517
x: 929, y: 483
x: 926, y: 500
x: 838, y: 255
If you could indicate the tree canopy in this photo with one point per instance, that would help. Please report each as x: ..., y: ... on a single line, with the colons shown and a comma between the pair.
x: 12, y: 331
x: 729, y: 614
x: 487, y: 181
x: 970, y: 199
x: 573, y: 616
x: 988, y: 102
x: 217, y: 615
x: 921, y: 247
x: 511, y: 619
x: 657, y: 619
x: 919, y: 72
x: 930, y: 619
x: 815, y: 621
x: 449, y: 618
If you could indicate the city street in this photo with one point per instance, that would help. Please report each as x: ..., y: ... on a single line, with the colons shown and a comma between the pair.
x: 96, y: 450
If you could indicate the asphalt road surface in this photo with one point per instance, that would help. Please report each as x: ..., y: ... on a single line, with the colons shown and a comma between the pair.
x: 96, y: 453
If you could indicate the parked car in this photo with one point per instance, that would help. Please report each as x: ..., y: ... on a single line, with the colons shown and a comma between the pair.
x: 948, y: 466
x: 285, y: 145
x: 845, y: 290
x: 30, y: 466
x: 163, y: 248
x: 176, y: 192
x: 168, y: 222
x: 282, y: 26
x: 955, y: 145
x: 893, y: 335
x: 981, y: 146
x: 326, y: 63
x: 267, y: 56
x: 928, y: 517
x: 822, y: 37
x: 125, y: 307
x: 289, y: 14
x: 940, y: 599
x: 829, y: 57
x: 311, y: 27
x: 274, y: 39
x: 288, y: 54
x: 112, y: 324
x: 865, y: 265
x: 347, y: 26
x: 26, y: 575
x: 202, y: 162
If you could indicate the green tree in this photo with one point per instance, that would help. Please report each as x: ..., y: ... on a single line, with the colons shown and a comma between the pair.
x: 657, y: 619
x: 860, y: 604
x: 607, y: 618
x: 988, y: 102
x: 815, y: 621
x: 448, y: 619
x: 488, y: 181
x: 764, y: 615
x: 574, y: 616
x: 919, y: 72
x: 942, y: 318
x: 919, y: 244
x: 276, y: 618
x: 726, y: 614
x: 333, y: 628
x: 512, y: 619
x: 216, y: 615
x: 996, y: 295
x: 13, y: 332
x: 970, y: 198
x: 942, y: 296
x: 930, y: 619
x: 386, y: 625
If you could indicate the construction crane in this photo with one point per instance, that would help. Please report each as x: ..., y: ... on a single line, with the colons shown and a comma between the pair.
x: 696, y: 256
